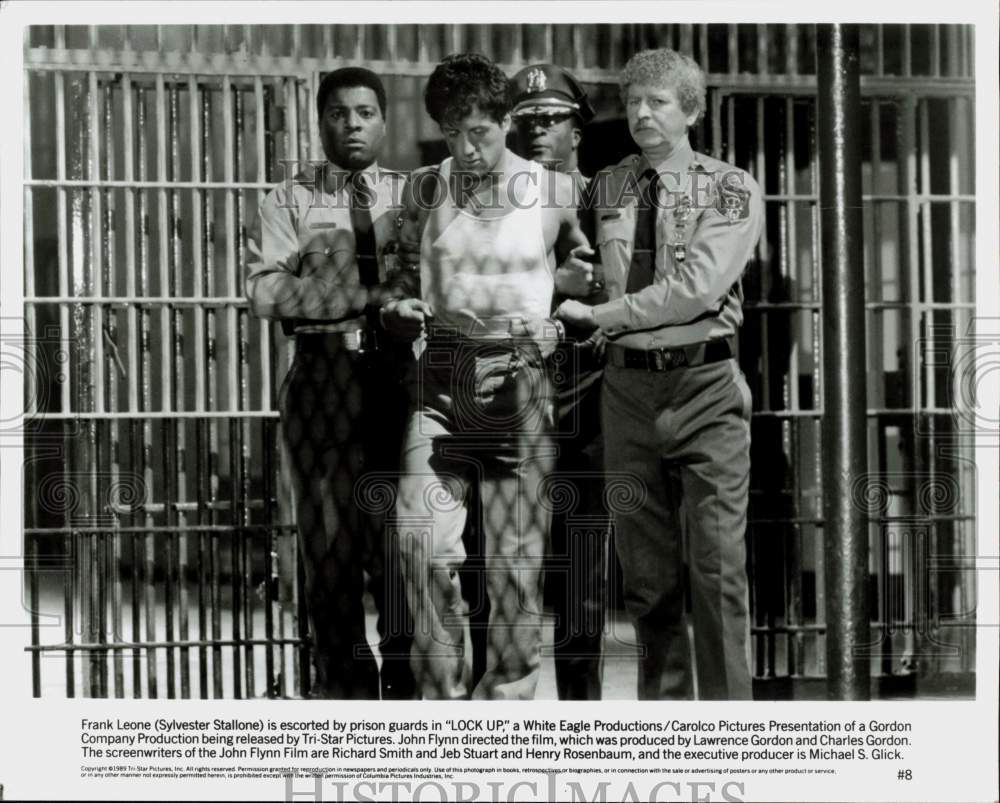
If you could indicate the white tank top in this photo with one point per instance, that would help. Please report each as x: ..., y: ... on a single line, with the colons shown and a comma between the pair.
x: 475, y: 272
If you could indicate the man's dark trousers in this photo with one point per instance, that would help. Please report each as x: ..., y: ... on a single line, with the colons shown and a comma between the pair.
x: 343, y: 414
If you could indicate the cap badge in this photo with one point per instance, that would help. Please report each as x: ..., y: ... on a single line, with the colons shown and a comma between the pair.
x: 536, y: 80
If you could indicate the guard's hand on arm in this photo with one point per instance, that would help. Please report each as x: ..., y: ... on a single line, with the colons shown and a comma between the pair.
x: 578, y: 314
x: 405, y: 318
x: 598, y: 341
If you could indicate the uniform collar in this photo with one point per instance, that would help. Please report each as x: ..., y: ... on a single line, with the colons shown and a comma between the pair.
x: 676, y: 163
x: 336, y: 177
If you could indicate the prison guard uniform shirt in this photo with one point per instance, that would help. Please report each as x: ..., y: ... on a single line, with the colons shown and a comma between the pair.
x: 302, y: 251
x: 700, y: 253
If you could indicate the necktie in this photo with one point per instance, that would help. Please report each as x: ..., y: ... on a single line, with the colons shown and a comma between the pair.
x: 362, y: 199
x: 641, y: 270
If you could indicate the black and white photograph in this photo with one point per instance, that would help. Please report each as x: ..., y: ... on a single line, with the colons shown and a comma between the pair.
x: 635, y: 368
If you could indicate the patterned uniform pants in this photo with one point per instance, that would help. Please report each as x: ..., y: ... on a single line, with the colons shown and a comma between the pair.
x: 342, y: 418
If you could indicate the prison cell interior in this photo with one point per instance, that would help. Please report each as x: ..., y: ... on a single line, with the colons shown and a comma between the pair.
x: 158, y: 532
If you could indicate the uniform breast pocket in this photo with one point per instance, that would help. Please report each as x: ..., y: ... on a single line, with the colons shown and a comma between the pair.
x: 329, y: 252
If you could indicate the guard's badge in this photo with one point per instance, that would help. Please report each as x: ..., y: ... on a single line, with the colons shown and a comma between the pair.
x: 536, y: 81
x: 682, y: 213
x: 732, y: 197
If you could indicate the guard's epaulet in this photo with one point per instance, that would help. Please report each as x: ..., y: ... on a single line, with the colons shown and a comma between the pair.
x: 629, y: 161
x: 625, y: 165
x: 704, y: 163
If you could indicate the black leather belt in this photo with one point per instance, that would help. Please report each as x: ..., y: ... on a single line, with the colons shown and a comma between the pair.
x: 361, y: 340
x: 669, y: 359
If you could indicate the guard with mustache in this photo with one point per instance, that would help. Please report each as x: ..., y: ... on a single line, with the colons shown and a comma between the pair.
x: 675, y: 229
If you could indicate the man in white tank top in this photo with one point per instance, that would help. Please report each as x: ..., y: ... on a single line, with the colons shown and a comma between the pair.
x: 492, y: 228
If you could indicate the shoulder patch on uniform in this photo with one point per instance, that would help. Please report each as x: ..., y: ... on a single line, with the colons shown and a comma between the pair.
x: 732, y: 196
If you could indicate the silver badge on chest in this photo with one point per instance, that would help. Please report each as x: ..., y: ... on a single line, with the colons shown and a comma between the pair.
x: 681, y: 216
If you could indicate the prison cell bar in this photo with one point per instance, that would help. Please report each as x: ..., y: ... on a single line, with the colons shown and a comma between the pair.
x: 212, y: 380
x: 268, y: 355
x: 925, y: 538
x: 260, y: 142
x: 760, y: 174
x: 149, y: 542
x: 69, y: 369
x: 230, y: 212
x: 844, y: 422
x: 242, y: 446
x: 90, y: 390
x: 173, y: 400
x: 876, y: 367
x: 966, y: 590
x: 291, y: 152
x: 31, y: 353
x: 113, y: 367
x: 197, y: 261
x: 182, y: 446
x: 789, y: 273
x: 134, y: 334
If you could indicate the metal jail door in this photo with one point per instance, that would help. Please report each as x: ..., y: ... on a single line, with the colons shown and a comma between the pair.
x: 918, y: 207
x: 155, y: 531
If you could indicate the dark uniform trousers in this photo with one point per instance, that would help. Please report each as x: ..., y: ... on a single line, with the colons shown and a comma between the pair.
x: 577, y: 565
x: 684, y: 434
x: 343, y: 414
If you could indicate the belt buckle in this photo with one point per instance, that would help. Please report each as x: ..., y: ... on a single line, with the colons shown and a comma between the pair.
x: 667, y: 359
x: 366, y: 340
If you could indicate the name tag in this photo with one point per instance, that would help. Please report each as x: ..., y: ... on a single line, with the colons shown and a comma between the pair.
x: 325, y: 224
x: 611, y: 216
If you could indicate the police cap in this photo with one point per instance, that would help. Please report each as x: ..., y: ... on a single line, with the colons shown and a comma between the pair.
x: 548, y: 89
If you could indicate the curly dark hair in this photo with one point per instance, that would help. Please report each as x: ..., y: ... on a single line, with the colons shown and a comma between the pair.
x: 463, y: 82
